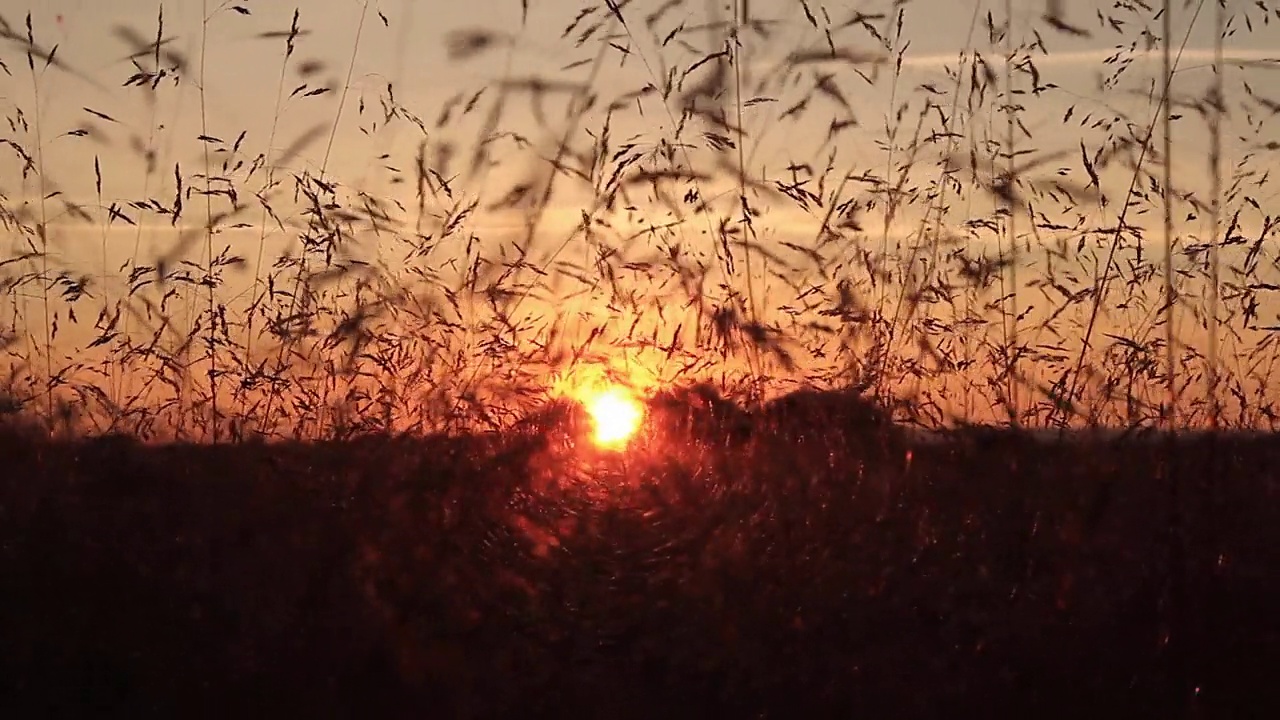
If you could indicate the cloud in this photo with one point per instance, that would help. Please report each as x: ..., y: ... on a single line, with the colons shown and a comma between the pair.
x: 1189, y: 59
x: 1092, y: 56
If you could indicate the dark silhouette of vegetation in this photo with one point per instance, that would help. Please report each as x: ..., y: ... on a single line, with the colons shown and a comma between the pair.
x: 940, y: 420
x: 752, y: 573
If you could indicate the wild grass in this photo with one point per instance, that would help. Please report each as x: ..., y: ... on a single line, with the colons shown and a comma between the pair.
x: 732, y: 206
x: 697, y: 194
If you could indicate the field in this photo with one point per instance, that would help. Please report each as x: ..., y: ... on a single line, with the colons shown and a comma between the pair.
x: 993, y: 574
x: 954, y: 325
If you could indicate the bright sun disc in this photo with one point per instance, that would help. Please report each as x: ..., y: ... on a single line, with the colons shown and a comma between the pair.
x: 615, y: 414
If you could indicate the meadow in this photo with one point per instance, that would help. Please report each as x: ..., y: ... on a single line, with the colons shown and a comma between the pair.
x: 956, y: 353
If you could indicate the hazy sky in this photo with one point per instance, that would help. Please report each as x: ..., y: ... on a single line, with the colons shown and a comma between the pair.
x: 349, y: 51
x: 405, y: 43
x: 409, y: 49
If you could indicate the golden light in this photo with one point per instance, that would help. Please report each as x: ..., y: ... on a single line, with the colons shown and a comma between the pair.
x: 615, y: 415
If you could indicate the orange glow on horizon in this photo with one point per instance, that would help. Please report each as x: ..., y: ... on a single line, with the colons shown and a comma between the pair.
x: 615, y: 415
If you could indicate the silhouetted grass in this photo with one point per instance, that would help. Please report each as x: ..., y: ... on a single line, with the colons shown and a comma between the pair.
x: 486, y: 576
x: 804, y: 243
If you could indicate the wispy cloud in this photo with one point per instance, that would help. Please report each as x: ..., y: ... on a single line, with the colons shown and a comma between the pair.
x: 1092, y: 56
x: 1188, y: 59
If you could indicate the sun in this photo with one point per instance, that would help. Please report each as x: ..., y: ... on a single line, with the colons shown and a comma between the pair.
x: 615, y: 415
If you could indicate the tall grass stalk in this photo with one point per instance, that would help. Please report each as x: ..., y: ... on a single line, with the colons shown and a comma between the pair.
x: 211, y: 320
x: 1217, y: 104
x: 1166, y: 135
x: 43, y: 228
x: 741, y: 14
x: 1011, y: 223
x: 259, y: 286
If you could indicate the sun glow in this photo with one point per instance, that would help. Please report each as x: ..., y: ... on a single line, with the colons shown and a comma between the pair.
x: 615, y: 415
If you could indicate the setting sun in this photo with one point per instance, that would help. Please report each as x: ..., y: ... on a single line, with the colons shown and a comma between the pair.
x: 615, y: 415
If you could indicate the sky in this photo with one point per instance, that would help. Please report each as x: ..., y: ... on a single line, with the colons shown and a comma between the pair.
x: 357, y: 48
x: 409, y: 49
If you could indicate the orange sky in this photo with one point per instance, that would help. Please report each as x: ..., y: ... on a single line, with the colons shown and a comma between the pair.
x: 404, y: 44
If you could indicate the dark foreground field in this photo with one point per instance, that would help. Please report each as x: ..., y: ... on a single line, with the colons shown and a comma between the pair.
x: 770, y: 571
